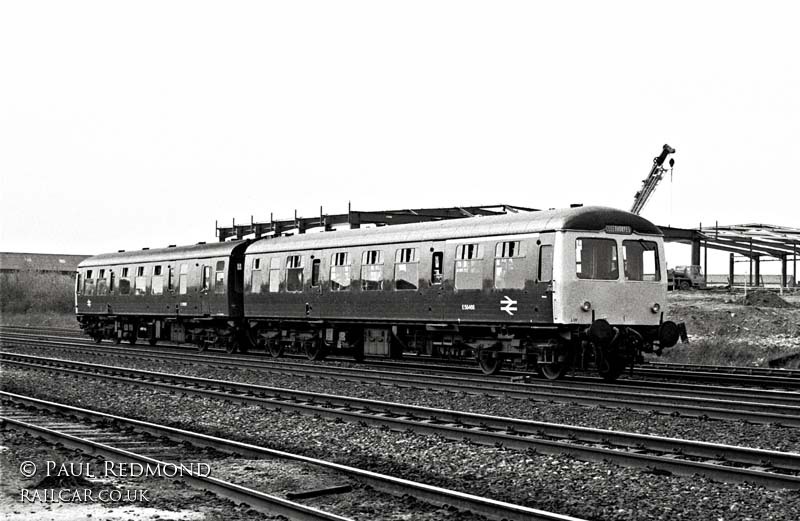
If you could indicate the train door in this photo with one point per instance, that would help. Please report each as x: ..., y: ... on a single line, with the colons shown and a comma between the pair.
x: 433, y: 294
x: 544, y: 286
x: 205, y: 294
x: 313, y: 293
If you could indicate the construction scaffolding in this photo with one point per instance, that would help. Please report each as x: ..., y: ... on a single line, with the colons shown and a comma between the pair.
x: 355, y: 219
x: 752, y: 241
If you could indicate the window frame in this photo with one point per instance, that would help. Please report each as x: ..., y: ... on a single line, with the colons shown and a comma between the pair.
x: 468, y: 262
x: 615, y: 257
x: 341, y: 268
x: 407, y: 263
x: 372, y: 262
x: 297, y: 270
x: 657, y: 259
x: 513, y: 273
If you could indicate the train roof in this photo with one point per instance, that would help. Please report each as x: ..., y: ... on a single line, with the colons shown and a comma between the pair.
x: 587, y: 218
x: 196, y: 251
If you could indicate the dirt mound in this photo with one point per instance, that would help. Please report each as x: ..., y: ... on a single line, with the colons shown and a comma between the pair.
x: 61, y: 482
x: 767, y: 299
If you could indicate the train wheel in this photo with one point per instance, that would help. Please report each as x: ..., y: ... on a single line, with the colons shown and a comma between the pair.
x: 132, y: 339
x: 315, y: 349
x: 490, y: 365
x: 231, y: 347
x: 117, y: 339
x: 152, y: 341
x: 97, y: 338
x: 553, y: 371
x: 274, y: 347
x: 202, y: 347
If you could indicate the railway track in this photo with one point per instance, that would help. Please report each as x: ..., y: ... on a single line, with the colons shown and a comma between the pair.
x: 106, y: 435
x: 723, y: 462
x: 758, y: 406
x: 768, y: 378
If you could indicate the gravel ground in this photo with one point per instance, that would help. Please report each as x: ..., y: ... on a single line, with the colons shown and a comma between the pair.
x: 555, y: 483
x: 168, y: 499
x: 730, y: 432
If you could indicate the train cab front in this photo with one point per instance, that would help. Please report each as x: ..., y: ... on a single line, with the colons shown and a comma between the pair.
x: 613, y: 291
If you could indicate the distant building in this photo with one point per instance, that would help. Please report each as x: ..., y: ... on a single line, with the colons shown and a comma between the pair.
x: 46, y: 262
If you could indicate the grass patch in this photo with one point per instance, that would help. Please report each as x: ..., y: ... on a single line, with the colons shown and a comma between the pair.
x: 34, y: 291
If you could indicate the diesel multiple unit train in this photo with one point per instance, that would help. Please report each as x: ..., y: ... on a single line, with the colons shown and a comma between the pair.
x: 545, y: 291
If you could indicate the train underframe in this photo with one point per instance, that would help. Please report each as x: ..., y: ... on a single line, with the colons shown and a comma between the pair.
x: 551, y: 351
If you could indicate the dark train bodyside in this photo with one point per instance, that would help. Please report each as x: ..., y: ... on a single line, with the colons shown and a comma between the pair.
x: 482, y: 287
x: 185, y: 294
x: 545, y: 290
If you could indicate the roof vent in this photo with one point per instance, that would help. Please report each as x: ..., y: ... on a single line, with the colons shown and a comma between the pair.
x: 145, y: 249
x: 201, y: 242
x: 120, y: 251
x: 171, y: 246
x: 576, y: 205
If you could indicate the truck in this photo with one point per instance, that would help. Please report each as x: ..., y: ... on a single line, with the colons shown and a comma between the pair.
x: 686, y: 277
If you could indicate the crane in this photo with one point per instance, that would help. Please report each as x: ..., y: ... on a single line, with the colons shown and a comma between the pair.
x: 653, y: 178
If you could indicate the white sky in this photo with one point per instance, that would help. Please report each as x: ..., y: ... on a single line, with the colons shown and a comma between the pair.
x: 125, y: 125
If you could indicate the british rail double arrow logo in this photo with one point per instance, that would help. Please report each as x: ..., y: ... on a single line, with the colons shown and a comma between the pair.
x: 508, y: 305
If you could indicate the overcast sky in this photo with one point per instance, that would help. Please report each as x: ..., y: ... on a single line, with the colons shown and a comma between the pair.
x: 125, y: 125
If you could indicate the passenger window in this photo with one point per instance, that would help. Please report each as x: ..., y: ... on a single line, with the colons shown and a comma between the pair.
x: 294, y: 273
x: 205, y: 282
x: 157, y: 285
x: 509, y: 272
x: 340, y: 271
x: 78, y: 281
x: 315, y: 273
x: 88, y: 284
x: 171, y: 278
x: 469, y: 266
x: 219, y: 278
x: 640, y: 260
x: 124, y: 282
x: 183, y: 282
x: 545, y: 273
x: 140, y: 283
x: 372, y: 270
x: 596, y: 259
x: 111, y: 281
x: 274, y: 275
x: 437, y: 267
x: 406, y: 269
x: 102, y: 283
x: 255, y: 276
